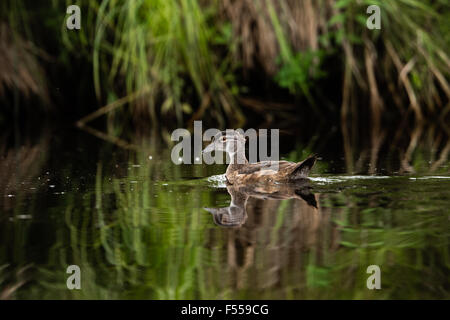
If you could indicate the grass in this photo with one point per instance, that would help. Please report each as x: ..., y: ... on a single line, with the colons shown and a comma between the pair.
x: 406, y: 56
x: 186, y: 59
x: 163, y: 49
x: 170, y: 62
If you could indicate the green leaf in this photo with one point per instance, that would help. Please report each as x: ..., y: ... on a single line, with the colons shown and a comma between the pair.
x: 338, y: 18
x: 342, y: 4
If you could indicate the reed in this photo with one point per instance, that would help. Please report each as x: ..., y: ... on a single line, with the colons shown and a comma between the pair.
x: 182, y: 60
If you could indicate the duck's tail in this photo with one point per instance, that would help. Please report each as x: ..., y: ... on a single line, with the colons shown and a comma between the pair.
x: 302, y: 169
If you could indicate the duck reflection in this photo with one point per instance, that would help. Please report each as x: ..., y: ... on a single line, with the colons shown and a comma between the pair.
x: 235, y: 214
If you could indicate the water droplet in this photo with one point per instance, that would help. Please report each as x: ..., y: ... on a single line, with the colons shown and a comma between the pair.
x: 23, y: 216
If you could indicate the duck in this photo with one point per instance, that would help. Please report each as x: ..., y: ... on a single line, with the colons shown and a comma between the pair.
x: 235, y: 215
x: 240, y: 171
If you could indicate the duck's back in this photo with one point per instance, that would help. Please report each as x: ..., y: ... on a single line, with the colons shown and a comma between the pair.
x: 272, y: 171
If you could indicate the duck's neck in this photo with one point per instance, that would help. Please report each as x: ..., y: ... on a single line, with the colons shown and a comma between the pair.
x: 237, y: 158
x: 238, y: 199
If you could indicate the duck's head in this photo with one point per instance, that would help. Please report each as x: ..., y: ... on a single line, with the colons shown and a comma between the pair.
x: 229, y: 216
x: 230, y: 141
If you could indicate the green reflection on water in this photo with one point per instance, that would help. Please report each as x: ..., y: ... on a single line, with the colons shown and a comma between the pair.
x: 137, y: 229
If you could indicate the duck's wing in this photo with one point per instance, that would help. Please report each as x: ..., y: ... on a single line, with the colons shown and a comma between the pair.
x: 267, y: 165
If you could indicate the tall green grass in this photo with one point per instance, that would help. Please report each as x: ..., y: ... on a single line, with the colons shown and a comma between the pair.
x: 169, y: 51
x: 182, y: 60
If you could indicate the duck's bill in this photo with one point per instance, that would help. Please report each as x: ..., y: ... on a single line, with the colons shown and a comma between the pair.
x: 211, y: 210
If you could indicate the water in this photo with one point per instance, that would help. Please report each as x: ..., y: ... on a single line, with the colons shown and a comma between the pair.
x: 137, y: 226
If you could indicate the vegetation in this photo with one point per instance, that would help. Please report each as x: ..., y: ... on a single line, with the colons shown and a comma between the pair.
x: 372, y: 102
x: 188, y: 59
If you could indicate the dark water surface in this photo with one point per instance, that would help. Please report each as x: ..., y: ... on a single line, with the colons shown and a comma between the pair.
x: 137, y: 226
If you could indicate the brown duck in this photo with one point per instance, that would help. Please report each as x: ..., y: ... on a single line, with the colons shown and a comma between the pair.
x: 240, y: 171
